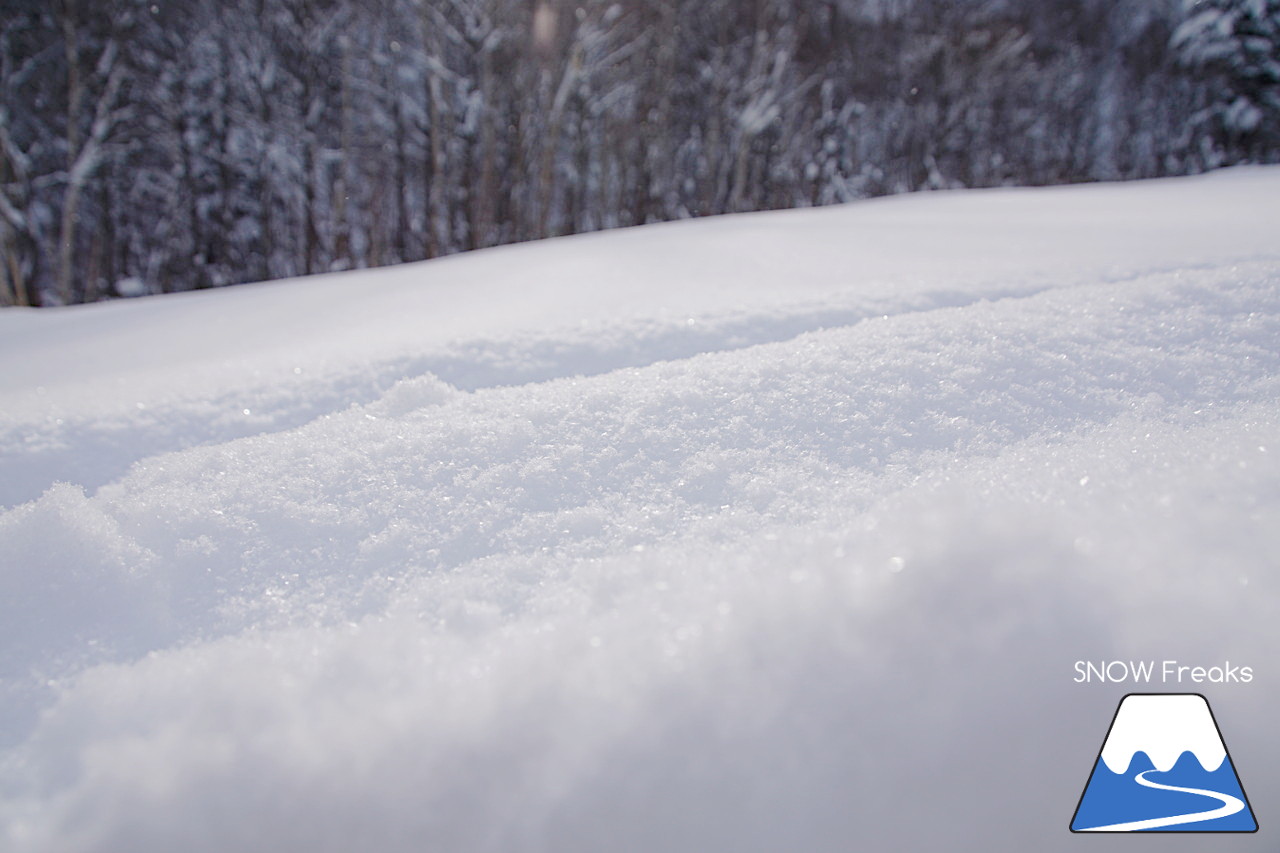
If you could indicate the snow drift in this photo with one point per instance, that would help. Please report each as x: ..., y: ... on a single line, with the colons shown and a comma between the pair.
x: 777, y: 531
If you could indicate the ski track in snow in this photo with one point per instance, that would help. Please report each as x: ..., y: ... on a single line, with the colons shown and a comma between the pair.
x: 98, y: 447
x: 744, y: 579
x: 49, y: 447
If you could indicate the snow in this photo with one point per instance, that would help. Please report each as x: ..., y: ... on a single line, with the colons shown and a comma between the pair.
x: 1164, y: 727
x: 778, y: 531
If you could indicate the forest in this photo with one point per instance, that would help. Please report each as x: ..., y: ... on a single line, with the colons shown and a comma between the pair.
x: 157, y: 147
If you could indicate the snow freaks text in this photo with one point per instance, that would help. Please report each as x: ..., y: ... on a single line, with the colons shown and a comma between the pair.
x: 1160, y: 672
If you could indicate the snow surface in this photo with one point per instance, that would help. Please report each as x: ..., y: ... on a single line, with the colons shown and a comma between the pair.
x: 768, y: 532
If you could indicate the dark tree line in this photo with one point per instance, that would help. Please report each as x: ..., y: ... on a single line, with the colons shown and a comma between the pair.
x: 162, y: 146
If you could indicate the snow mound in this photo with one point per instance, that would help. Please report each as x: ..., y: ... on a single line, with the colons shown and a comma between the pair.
x: 640, y: 559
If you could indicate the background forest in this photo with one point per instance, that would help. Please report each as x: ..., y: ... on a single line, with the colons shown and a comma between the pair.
x: 165, y: 146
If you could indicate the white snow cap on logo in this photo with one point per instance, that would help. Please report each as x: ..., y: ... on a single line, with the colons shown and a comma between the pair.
x: 1163, y: 726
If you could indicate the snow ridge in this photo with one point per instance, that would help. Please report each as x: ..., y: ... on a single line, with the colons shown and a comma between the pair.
x: 51, y: 444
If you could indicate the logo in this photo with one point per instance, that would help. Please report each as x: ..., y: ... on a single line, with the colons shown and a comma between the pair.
x: 1164, y: 768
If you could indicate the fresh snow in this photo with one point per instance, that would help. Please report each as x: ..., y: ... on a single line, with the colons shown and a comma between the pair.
x: 768, y: 532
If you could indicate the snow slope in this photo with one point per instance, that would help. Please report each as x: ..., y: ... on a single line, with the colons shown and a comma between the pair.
x: 780, y: 531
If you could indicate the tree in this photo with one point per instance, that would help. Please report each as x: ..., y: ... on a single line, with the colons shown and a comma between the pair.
x: 94, y: 79
x: 18, y: 227
x: 1237, y: 42
x: 219, y: 141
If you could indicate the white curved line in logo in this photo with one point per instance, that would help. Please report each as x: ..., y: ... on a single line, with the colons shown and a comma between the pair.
x: 1230, y: 805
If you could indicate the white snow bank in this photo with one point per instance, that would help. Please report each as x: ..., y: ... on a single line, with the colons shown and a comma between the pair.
x: 809, y: 572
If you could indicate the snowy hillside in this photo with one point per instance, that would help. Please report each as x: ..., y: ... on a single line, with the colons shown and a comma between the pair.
x: 772, y: 532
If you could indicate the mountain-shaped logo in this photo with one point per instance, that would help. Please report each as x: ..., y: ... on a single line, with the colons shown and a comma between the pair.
x: 1164, y: 768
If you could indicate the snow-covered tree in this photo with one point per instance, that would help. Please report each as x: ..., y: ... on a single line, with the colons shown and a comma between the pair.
x: 222, y: 141
x: 1237, y: 42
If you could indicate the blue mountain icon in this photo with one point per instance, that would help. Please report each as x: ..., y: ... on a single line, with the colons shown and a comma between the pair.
x: 1163, y: 768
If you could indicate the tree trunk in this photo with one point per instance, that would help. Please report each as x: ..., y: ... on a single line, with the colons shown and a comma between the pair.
x: 482, y: 215
x: 400, y: 241
x: 13, y: 285
x: 75, y: 96
x: 66, y: 244
x: 342, y: 255
x: 310, y: 236
x: 437, y: 237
